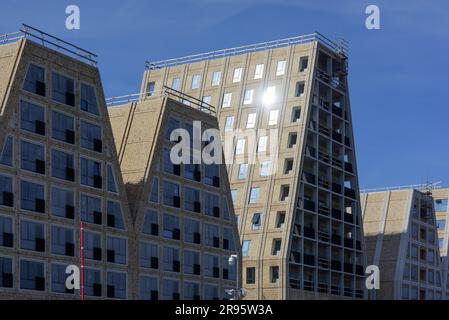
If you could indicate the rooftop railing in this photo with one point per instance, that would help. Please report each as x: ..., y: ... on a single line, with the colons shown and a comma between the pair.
x: 421, y: 187
x: 173, y: 94
x: 50, y: 41
x: 340, y: 47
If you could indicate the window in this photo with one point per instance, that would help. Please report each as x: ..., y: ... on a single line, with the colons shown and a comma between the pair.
x: 246, y: 246
x: 32, y: 275
x: 196, y: 81
x: 91, y: 137
x: 58, y: 279
x: 191, y: 291
x: 192, y: 262
x: 243, y: 171
x: 171, y: 194
x: 229, y: 124
x: 148, y: 254
x: 32, y: 197
x: 148, y: 288
x: 240, y: 148
x: 265, y: 168
x: 237, y: 75
x: 32, y: 118
x: 7, y: 155
x: 112, y: 186
x: 256, y: 221
x: 226, y: 215
x: 92, y: 246
x: 251, y: 120
x: 169, y: 167
x: 441, y: 223
x: 248, y: 98
x: 35, y: 80
x: 280, y: 219
x: 270, y: 95
x: 93, y: 286
x: 114, y: 215
x: 6, y: 279
x: 258, y: 74
x: 151, y: 223
x: 227, y: 97
x: 90, y: 209
x: 234, y: 196
x: 207, y: 99
x: 32, y: 236
x: 171, y: 259
x: 303, y: 62
x: 62, y: 127
x: 176, y: 84
x: 172, y: 125
x: 211, y: 205
x: 154, y: 192
x: 216, y: 77
x: 6, y: 194
x: 280, y: 68
x: 192, y: 199
x: 274, y: 274
x: 192, y: 172
x: 151, y: 88
x: 211, y: 266
x: 210, y: 292
x: 171, y: 227
x: 170, y: 289
x: 62, y: 241
x: 254, y: 195
x: 251, y: 275
x: 441, y: 205
x: 211, y: 235
x: 63, y: 89
x: 273, y: 117
x: 62, y: 203
x: 299, y: 90
x: 296, y: 114
x: 288, y: 166
x: 192, y: 233
x: 91, y: 173
x: 285, y: 190
x: 62, y: 165
x: 116, y: 285
x: 6, y: 232
x: 292, y: 137
x: 228, y: 239
x: 276, y: 248
x: 116, y: 250
x: 262, y: 145
x: 89, y: 99
x: 32, y: 157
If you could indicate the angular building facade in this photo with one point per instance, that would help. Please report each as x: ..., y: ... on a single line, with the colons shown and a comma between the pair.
x: 184, y: 222
x: 401, y: 239
x: 286, y: 103
x: 58, y: 169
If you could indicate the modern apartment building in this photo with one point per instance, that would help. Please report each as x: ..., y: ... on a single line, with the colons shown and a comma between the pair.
x: 401, y: 239
x: 284, y: 107
x: 184, y: 222
x: 58, y: 169
x: 441, y: 196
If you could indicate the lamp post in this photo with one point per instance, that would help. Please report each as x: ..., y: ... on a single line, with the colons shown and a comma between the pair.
x: 236, y: 293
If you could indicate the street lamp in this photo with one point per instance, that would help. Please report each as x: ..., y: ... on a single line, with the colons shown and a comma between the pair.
x: 236, y: 293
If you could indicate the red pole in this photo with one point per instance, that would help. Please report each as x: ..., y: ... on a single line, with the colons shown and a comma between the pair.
x: 82, y: 259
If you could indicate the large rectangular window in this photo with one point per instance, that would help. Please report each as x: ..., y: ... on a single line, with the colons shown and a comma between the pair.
x: 171, y: 227
x: 148, y: 288
x: 251, y: 121
x: 32, y: 196
x: 258, y: 74
x: 6, y: 232
x: 229, y: 124
x: 192, y: 262
x: 32, y: 236
x: 192, y: 232
x: 148, y: 255
x: 32, y: 275
x: 280, y: 68
x: 237, y: 75
x: 7, y: 154
x: 171, y: 194
x: 227, y: 97
x: 116, y: 250
x: 211, y: 205
x: 191, y: 291
x: 6, y: 194
x: 58, y: 279
x: 32, y: 117
x: 6, y: 275
x: 91, y: 136
x: 211, y: 235
x: 114, y: 215
x: 63, y: 89
x: 88, y: 101
x: 92, y: 246
x: 254, y: 195
x: 62, y: 165
x: 170, y: 289
x: 211, y: 265
x: 91, y: 173
x: 32, y: 157
x: 171, y: 259
x: 62, y: 203
x: 90, y: 209
x: 248, y: 98
x: 216, y: 77
x: 441, y: 205
x: 246, y: 246
x: 196, y: 79
x: 192, y: 200
x: 93, y: 286
x: 62, y: 241
x: 116, y: 286
x: 151, y: 223
x: 63, y: 128
x: 35, y: 80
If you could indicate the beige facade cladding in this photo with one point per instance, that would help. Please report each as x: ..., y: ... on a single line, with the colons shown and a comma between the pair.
x: 58, y: 168
x: 302, y: 235
x: 142, y: 135
x: 401, y: 239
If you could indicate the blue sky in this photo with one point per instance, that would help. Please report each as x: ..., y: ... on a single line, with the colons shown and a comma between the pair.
x: 399, y: 75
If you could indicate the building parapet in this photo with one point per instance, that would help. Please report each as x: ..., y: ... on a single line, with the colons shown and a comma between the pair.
x: 424, y: 187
